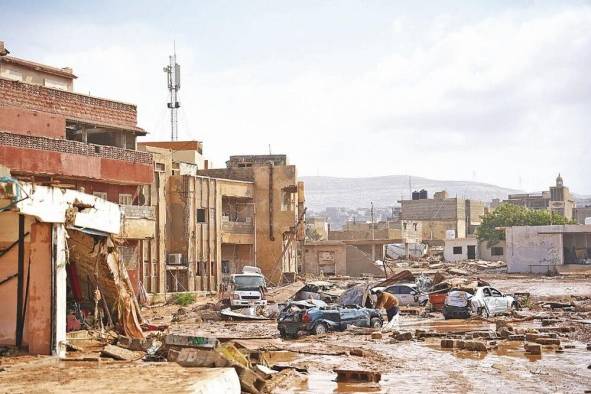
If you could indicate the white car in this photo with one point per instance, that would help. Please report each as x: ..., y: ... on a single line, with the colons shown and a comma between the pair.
x: 407, y: 293
x: 488, y: 301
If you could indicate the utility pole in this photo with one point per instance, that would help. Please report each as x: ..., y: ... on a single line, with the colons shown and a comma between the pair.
x: 373, y: 235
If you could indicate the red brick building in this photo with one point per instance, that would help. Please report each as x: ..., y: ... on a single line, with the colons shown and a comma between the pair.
x: 52, y: 136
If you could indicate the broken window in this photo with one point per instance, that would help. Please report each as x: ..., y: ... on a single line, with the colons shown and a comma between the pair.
x: 287, y: 201
x: 102, y: 195
x: 125, y: 199
x: 225, y: 267
x: 457, y: 250
x: 201, y: 215
x: 496, y: 251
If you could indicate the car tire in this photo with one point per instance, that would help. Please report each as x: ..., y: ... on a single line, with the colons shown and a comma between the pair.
x: 483, y: 312
x: 376, y: 323
x: 320, y: 329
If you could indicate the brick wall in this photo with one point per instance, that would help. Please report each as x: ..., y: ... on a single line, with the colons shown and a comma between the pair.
x: 22, y: 121
x: 71, y: 105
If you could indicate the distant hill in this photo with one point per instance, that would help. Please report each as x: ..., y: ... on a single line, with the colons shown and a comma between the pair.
x: 322, y: 191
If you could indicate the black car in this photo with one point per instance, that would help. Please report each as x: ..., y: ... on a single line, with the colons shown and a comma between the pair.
x: 297, y: 319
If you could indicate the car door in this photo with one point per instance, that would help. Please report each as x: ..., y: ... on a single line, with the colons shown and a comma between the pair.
x: 499, y: 300
x: 407, y: 294
x: 489, y: 300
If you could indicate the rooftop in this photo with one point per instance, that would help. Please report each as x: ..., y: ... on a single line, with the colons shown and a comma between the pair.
x: 64, y: 72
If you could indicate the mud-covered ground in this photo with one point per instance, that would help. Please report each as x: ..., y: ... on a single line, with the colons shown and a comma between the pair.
x: 409, y: 365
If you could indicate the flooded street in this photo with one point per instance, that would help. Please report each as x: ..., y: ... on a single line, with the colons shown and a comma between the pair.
x: 416, y: 363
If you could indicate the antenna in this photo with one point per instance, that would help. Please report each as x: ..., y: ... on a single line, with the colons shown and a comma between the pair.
x: 173, y: 71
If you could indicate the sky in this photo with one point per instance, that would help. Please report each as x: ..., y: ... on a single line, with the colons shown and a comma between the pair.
x: 495, y: 92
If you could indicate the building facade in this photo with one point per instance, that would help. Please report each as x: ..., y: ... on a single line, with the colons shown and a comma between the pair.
x: 558, y: 199
x: 442, y: 217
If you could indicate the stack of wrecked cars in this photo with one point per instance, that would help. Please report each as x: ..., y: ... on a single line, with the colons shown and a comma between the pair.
x: 354, y: 307
x: 465, y: 298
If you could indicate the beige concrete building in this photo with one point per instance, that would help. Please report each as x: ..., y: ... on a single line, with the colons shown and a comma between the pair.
x: 317, y: 228
x: 278, y: 209
x: 558, y: 199
x: 442, y: 217
x: 33, y: 73
x: 344, y: 257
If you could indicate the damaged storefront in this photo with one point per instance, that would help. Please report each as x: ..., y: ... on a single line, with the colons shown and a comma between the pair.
x: 60, y: 267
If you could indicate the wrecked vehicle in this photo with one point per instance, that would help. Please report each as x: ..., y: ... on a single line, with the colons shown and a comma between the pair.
x: 408, y: 294
x: 488, y: 301
x: 245, y: 289
x: 320, y: 320
x: 457, y: 305
x: 484, y: 301
x: 318, y: 290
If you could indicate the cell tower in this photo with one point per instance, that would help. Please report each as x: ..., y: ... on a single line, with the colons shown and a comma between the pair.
x: 173, y: 71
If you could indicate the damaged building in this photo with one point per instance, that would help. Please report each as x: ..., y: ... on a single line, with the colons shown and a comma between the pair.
x: 541, y: 249
x: 72, y: 176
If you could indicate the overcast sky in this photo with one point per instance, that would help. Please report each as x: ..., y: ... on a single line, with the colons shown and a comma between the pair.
x: 497, y: 92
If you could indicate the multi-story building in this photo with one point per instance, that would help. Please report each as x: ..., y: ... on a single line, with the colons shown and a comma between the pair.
x: 65, y: 155
x: 442, y: 217
x: 558, y: 199
x: 278, y: 208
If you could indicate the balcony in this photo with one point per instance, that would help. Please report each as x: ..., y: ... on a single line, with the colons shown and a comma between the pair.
x: 237, y: 232
x: 237, y: 227
x: 25, y: 154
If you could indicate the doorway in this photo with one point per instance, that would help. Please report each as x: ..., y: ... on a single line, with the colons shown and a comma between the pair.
x: 471, y: 252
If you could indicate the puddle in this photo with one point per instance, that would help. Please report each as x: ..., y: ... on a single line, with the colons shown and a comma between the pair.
x: 281, y: 356
x: 323, y: 382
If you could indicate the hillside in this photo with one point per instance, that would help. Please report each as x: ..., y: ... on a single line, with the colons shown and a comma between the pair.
x: 322, y: 192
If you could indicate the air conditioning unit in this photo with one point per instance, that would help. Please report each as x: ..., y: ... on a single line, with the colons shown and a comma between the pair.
x: 175, y: 259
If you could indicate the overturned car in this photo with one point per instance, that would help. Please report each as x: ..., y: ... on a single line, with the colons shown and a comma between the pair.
x: 310, y: 317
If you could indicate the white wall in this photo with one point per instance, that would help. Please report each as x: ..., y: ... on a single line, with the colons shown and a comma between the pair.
x: 448, y: 253
x: 529, y: 251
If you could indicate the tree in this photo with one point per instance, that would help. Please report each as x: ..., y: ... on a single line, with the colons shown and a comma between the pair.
x: 507, y: 215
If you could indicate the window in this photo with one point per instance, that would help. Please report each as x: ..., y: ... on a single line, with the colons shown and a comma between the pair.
x: 486, y: 292
x: 125, y: 199
x: 496, y: 251
x: 287, y: 201
x: 495, y: 292
x: 102, y: 195
x: 225, y: 267
x: 160, y: 167
x: 201, y: 215
x: 404, y: 226
x: 414, y: 225
x: 457, y: 250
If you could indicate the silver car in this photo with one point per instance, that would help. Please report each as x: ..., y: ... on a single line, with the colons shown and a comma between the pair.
x: 488, y: 301
x: 407, y: 293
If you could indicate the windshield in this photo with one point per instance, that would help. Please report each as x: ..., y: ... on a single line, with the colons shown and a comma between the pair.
x: 249, y: 282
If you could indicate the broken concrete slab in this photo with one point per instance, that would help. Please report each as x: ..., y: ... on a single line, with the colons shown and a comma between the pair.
x: 357, y: 376
x: 119, y: 353
x: 533, y: 348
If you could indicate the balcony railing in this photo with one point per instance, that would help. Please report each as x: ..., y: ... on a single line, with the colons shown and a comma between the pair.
x: 237, y: 227
x: 74, y: 147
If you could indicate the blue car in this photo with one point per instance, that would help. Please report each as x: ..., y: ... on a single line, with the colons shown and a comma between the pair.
x: 295, y: 320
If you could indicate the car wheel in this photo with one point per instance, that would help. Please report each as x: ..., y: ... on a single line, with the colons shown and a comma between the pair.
x: 320, y: 329
x: 484, y: 312
x: 375, y: 322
